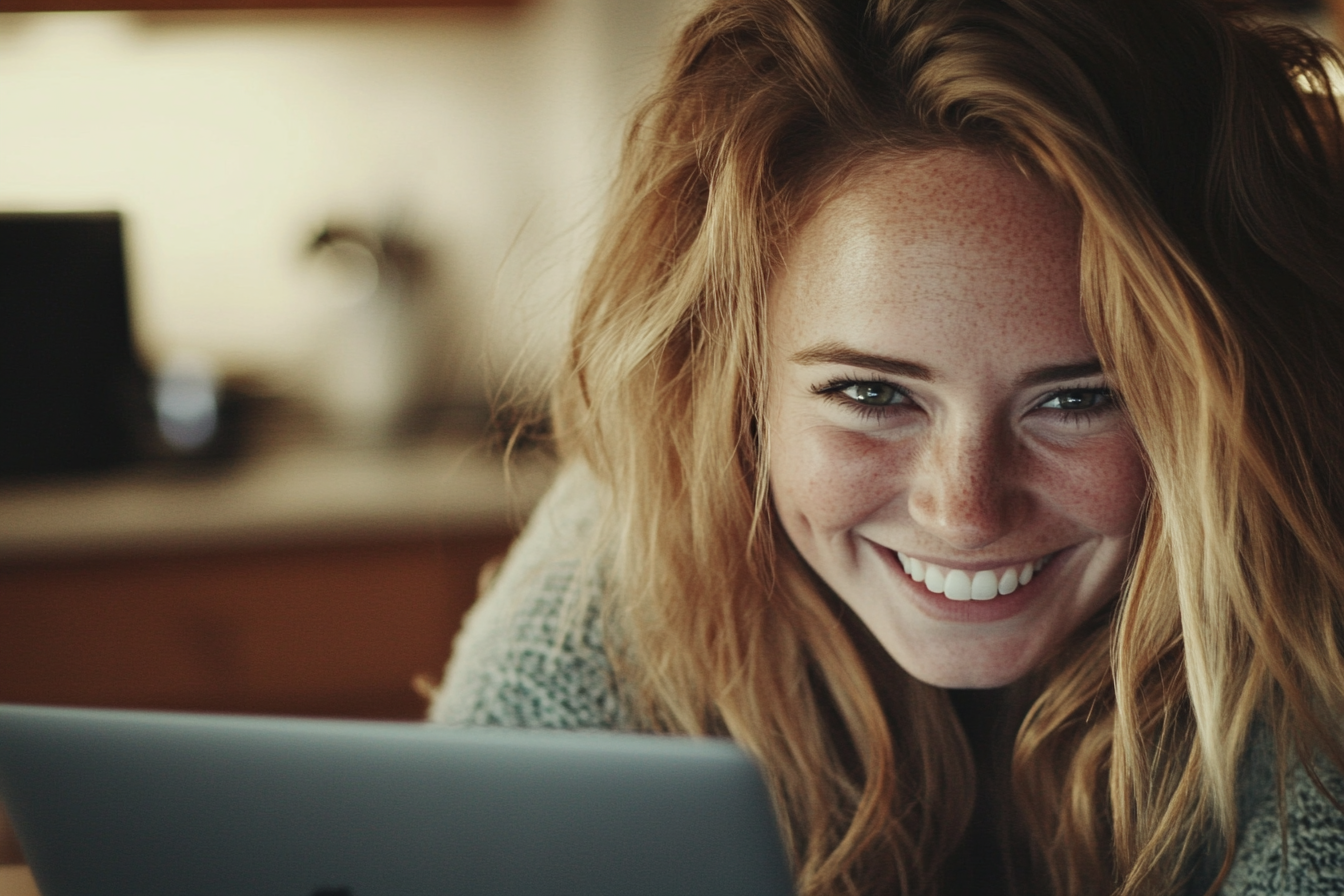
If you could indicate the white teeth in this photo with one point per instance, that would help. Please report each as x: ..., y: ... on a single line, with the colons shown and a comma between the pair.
x: 934, y: 579
x: 984, y: 586
x: 917, y: 569
x: 959, y: 585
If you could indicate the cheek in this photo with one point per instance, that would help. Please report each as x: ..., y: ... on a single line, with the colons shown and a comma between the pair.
x: 828, y: 479
x: 1102, y: 487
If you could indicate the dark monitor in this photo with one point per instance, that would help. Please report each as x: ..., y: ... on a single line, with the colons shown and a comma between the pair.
x: 69, y: 374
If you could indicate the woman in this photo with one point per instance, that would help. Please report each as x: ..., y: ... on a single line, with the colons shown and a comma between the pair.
x: 951, y: 417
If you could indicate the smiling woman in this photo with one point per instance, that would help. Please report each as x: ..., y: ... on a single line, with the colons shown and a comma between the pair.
x: 950, y: 418
x: 943, y: 449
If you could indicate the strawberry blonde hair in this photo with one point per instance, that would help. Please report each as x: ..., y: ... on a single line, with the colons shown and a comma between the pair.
x: 1202, y: 150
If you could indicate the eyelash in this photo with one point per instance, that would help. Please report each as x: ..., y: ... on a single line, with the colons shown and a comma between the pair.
x: 834, y: 391
x: 1083, y: 416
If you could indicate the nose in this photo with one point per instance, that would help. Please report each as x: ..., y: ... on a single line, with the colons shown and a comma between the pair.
x: 962, y: 489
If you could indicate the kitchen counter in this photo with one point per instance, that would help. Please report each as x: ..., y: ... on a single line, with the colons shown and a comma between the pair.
x: 300, y: 494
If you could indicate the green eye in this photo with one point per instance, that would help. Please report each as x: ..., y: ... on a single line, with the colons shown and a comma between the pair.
x: 874, y: 394
x: 1078, y: 400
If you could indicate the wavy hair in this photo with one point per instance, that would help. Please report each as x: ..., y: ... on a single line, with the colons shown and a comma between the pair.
x: 1202, y: 148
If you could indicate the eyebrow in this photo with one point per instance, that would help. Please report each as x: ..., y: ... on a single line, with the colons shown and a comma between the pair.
x: 1060, y: 372
x: 837, y: 353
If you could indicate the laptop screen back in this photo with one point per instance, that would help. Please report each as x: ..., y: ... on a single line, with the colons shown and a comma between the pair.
x: 120, y: 803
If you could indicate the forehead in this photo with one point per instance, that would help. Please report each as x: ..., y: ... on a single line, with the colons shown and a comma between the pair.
x: 948, y: 248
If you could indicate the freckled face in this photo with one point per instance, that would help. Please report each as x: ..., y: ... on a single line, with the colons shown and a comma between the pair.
x: 944, y: 451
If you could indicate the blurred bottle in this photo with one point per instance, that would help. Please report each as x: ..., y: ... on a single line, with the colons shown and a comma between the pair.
x: 368, y: 363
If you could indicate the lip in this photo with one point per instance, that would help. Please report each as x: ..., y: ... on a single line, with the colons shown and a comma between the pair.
x: 1005, y: 606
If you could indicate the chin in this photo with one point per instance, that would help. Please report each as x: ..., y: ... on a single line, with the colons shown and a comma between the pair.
x: 961, y: 681
x: 957, y: 671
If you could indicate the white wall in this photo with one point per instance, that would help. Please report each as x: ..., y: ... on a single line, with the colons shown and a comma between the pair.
x: 227, y: 139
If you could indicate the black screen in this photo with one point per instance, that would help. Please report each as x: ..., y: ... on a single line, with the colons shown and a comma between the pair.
x: 69, y: 376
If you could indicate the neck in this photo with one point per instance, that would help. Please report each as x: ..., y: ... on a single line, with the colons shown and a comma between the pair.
x: 989, y: 719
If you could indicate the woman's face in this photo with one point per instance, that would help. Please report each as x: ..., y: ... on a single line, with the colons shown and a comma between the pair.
x: 943, y: 449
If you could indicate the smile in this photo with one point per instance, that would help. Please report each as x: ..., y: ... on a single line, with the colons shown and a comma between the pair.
x: 958, y: 584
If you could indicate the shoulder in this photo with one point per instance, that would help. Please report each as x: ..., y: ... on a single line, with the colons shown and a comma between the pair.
x: 1306, y: 858
x: 532, y: 651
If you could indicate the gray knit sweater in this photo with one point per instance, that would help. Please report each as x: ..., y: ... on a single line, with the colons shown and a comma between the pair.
x: 522, y: 661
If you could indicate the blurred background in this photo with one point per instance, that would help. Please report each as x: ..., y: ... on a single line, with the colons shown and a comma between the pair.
x: 263, y: 272
x: 478, y: 136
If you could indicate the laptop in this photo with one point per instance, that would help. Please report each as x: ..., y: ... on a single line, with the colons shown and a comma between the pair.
x: 120, y: 803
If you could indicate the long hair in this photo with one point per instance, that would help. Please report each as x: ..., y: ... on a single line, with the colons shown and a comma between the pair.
x: 1202, y: 149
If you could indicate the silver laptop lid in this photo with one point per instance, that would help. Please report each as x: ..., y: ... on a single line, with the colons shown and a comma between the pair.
x: 111, y: 803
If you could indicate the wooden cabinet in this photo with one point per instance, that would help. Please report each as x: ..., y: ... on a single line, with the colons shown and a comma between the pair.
x: 340, y: 627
